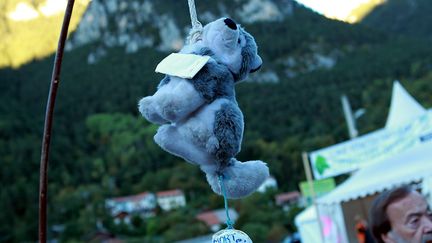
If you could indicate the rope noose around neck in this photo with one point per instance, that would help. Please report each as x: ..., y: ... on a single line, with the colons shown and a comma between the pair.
x: 196, y: 31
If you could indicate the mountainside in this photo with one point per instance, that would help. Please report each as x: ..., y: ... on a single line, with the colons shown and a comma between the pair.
x: 402, y: 17
x: 29, y: 29
x: 139, y: 24
x: 102, y: 148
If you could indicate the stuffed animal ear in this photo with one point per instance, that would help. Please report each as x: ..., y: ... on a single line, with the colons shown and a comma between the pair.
x: 256, y: 65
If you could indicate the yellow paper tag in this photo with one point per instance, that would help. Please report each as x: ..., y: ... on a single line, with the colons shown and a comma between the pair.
x: 182, y: 65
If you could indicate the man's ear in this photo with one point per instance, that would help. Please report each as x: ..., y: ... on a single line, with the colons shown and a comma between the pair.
x: 257, y: 62
x: 388, y: 237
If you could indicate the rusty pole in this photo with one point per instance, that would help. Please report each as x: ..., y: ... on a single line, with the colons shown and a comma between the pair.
x: 55, y: 80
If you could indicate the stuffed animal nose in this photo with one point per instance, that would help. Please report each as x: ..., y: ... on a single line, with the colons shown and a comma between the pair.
x: 230, y: 23
x: 255, y: 69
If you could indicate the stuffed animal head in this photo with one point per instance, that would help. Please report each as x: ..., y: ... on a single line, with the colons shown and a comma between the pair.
x: 232, y: 46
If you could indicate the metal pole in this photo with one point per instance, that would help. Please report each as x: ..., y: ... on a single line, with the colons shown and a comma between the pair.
x: 306, y: 165
x: 55, y: 80
x: 349, y: 117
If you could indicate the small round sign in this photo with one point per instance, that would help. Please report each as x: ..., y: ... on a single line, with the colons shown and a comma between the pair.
x: 231, y: 236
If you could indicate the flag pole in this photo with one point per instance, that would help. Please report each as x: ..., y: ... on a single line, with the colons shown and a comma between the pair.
x: 308, y: 172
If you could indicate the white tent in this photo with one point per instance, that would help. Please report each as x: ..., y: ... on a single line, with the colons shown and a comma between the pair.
x: 409, y: 166
x: 408, y: 124
x: 307, y: 225
x: 398, y: 154
x: 356, y: 194
x: 332, y: 223
x: 403, y: 108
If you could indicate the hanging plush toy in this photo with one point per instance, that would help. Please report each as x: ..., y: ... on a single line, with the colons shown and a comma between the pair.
x: 197, y: 110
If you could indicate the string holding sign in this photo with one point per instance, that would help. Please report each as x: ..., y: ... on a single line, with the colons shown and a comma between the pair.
x: 229, y: 234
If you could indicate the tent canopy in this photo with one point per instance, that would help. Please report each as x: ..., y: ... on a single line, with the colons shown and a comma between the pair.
x: 411, y: 165
x: 307, y: 215
x: 408, y: 123
x: 403, y: 108
x: 307, y: 225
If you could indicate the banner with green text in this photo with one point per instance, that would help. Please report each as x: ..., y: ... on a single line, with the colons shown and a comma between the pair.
x: 370, y: 148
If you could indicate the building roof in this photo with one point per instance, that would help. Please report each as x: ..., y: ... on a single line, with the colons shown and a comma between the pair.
x: 216, y: 217
x: 286, y: 197
x: 121, y: 215
x: 170, y: 193
x: 132, y: 198
x: 209, y: 218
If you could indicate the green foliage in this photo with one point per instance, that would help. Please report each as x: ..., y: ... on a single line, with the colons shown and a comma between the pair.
x: 262, y: 220
x: 277, y: 233
x: 412, y: 18
x: 184, y: 230
x: 257, y: 232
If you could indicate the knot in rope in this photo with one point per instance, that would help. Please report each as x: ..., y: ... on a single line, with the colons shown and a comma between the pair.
x: 196, y: 31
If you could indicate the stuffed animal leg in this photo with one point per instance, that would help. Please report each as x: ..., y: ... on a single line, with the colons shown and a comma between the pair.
x: 168, y: 104
x: 170, y: 139
x: 211, y: 139
x: 240, y: 178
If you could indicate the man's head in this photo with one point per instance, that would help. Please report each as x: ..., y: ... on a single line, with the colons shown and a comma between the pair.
x: 401, y: 215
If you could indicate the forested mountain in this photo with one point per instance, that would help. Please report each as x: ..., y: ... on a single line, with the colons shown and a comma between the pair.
x: 403, y: 17
x: 102, y: 148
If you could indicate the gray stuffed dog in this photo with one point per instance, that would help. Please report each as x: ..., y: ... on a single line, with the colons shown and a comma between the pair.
x: 200, y: 118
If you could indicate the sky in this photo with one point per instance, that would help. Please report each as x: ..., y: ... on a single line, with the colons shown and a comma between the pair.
x: 338, y: 9
x: 25, y: 12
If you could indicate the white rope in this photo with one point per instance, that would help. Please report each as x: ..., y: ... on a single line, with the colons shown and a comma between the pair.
x: 195, y: 32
